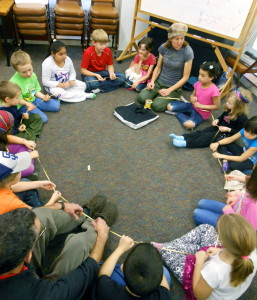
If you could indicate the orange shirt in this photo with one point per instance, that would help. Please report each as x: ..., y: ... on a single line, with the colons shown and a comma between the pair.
x: 9, y: 201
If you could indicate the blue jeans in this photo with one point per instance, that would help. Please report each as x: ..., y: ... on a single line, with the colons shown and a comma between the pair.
x: 139, y: 88
x: 185, y: 112
x: 118, y: 276
x: 30, y: 197
x: 104, y: 86
x: 51, y: 105
x: 208, y: 212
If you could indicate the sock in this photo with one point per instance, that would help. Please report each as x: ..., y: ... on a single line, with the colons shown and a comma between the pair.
x: 179, y: 143
x: 158, y: 246
x: 96, y: 91
x: 177, y: 137
x: 90, y: 95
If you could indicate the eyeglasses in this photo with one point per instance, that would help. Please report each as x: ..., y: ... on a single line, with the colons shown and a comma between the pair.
x: 39, y: 236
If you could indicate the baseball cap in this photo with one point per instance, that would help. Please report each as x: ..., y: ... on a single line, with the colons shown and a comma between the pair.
x: 13, y: 163
x: 177, y: 29
x: 6, y: 121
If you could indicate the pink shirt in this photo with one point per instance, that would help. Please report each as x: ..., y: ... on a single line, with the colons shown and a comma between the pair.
x: 205, y: 96
x: 247, y: 207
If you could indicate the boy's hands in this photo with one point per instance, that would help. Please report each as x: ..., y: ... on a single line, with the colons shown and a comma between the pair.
x: 125, y: 243
x: 47, y: 185
x: 112, y: 76
x: 30, y: 106
x: 34, y: 154
x: 99, y: 77
x: 29, y: 144
x: 25, y: 116
x: 46, y: 97
x: 22, y: 127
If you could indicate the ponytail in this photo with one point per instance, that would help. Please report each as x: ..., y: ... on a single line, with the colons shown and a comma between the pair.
x: 241, y: 269
x: 239, y: 239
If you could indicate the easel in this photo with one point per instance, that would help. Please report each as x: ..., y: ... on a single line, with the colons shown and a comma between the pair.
x: 128, y: 51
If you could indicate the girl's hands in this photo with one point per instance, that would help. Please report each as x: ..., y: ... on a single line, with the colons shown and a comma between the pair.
x: 211, y: 251
x: 217, y: 155
x: 224, y: 129
x: 214, y: 146
x: 215, y: 122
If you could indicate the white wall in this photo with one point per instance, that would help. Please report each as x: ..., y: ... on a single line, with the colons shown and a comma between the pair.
x: 126, y: 20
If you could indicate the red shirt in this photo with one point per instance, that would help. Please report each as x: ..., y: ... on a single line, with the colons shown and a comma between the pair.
x: 94, y: 63
x: 24, y: 268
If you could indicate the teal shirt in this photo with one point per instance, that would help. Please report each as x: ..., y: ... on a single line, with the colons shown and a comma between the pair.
x: 29, y: 86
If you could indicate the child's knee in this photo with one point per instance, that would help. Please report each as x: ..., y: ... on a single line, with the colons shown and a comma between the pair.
x: 169, y: 107
x: 189, y: 124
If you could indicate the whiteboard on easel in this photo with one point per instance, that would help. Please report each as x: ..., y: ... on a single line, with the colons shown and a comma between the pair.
x: 225, y: 18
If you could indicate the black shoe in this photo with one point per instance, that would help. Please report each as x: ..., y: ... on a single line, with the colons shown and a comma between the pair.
x: 109, y: 213
x: 96, y: 205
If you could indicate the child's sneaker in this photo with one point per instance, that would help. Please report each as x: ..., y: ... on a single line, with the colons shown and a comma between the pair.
x: 96, y: 91
x: 95, y: 205
x: 91, y: 95
x: 109, y: 213
x: 179, y: 143
x: 170, y: 112
x: 177, y: 137
x: 225, y: 166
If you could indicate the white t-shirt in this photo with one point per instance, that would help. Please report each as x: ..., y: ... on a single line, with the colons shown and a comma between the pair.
x: 52, y: 75
x: 217, y: 274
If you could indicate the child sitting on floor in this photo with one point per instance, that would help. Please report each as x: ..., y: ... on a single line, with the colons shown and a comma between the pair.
x: 141, y: 68
x: 204, y: 99
x: 30, y: 87
x: 93, y: 66
x: 210, y: 272
x: 243, y: 202
x: 11, y: 166
x: 228, y: 123
x: 59, y: 76
x: 234, y: 156
x: 25, y: 126
x: 143, y: 274
x: 15, y: 144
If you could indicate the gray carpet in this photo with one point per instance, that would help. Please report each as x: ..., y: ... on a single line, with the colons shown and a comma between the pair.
x: 155, y: 186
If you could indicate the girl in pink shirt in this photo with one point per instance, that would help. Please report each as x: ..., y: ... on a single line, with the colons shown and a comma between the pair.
x: 204, y: 99
x: 242, y: 202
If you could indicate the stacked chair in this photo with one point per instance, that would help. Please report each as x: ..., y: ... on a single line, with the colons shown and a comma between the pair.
x: 69, y: 19
x: 104, y: 15
x: 31, y: 20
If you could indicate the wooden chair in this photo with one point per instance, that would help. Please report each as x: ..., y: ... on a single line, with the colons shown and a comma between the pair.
x: 241, y: 68
x: 104, y: 15
x: 69, y: 19
x: 31, y: 20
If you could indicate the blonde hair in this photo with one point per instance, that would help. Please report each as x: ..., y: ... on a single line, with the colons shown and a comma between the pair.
x: 238, y: 237
x: 20, y: 58
x: 8, y: 89
x: 240, y: 107
x: 4, y: 182
x: 99, y: 36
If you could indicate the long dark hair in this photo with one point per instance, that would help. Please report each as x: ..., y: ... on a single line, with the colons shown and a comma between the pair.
x: 251, y: 184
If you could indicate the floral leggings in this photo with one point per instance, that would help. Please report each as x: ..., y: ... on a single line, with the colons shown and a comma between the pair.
x: 202, y: 236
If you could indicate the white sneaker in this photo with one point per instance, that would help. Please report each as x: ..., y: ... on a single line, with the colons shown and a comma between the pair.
x: 170, y: 112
